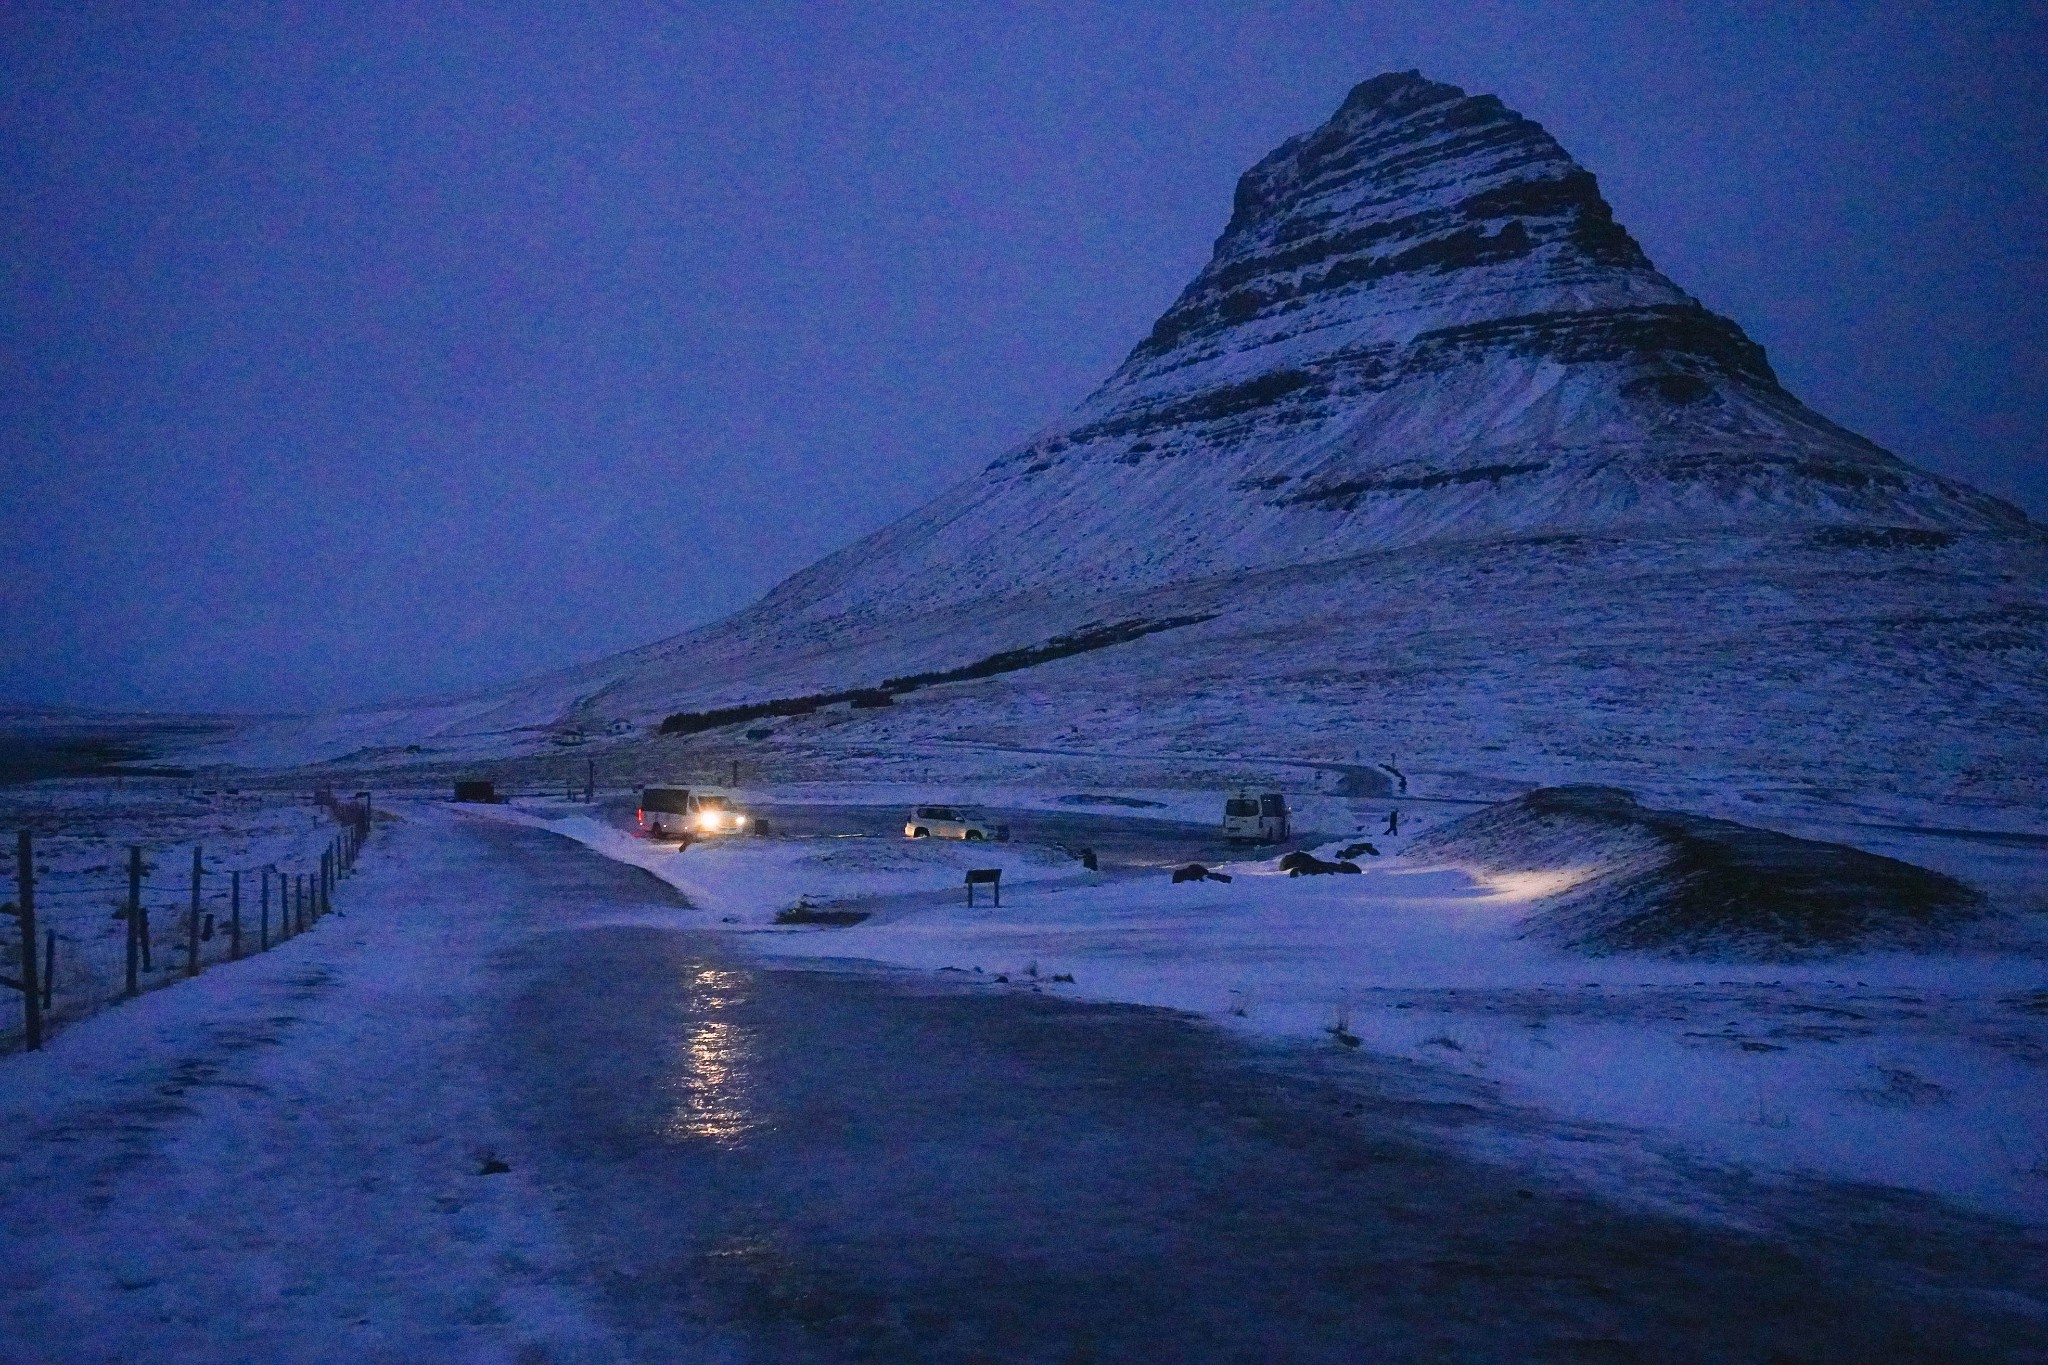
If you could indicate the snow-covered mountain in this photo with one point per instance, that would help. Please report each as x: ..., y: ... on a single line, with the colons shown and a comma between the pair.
x: 1448, y: 469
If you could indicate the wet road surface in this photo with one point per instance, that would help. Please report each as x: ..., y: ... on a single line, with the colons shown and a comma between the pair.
x: 786, y: 1165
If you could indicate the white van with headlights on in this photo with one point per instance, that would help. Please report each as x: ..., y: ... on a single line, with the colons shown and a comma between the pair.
x: 1256, y: 819
x: 678, y: 813
x: 952, y: 822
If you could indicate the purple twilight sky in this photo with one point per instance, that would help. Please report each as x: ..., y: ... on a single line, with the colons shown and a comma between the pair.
x: 356, y: 352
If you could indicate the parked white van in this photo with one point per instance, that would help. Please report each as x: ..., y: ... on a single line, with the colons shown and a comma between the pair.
x: 1257, y: 819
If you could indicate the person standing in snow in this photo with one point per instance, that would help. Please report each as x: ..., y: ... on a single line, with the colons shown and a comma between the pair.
x: 1394, y: 821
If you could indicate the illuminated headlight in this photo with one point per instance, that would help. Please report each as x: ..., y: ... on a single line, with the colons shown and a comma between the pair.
x: 708, y: 820
x: 739, y: 819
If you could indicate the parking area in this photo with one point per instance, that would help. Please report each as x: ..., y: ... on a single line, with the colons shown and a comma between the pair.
x: 1118, y: 841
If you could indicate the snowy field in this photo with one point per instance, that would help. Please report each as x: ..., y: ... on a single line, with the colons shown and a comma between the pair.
x: 82, y: 830
x: 1923, y: 1072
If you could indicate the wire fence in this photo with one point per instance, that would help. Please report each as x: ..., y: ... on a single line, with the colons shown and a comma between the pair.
x: 69, y: 951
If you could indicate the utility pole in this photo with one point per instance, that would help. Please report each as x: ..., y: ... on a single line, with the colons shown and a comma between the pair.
x: 31, y: 991
x: 134, y: 915
x: 192, y: 929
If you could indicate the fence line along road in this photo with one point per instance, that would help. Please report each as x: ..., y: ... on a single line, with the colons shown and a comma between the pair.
x: 64, y: 964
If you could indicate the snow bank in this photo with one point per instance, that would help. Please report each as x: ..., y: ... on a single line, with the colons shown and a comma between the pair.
x: 1617, y: 876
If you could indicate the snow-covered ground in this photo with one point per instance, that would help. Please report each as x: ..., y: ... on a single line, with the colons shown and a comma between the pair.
x: 1919, y: 1071
x: 281, y: 1159
x: 290, y: 1157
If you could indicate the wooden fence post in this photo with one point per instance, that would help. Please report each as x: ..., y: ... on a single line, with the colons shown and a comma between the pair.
x: 298, y: 902
x: 134, y: 916
x: 142, y: 936
x: 49, y: 968
x: 31, y: 995
x: 265, y: 940
x: 235, y: 915
x: 192, y: 927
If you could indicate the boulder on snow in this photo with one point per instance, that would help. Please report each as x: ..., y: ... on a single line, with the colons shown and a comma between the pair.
x: 1195, y: 872
x: 1300, y: 864
x: 1353, y: 850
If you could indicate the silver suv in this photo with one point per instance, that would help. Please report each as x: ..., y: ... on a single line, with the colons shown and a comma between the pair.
x: 952, y: 822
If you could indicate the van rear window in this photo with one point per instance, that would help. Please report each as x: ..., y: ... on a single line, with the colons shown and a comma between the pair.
x: 1240, y: 809
x: 1272, y: 805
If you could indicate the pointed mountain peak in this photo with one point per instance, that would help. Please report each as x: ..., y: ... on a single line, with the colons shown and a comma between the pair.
x: 1414, y: 203
x: 1422, y: 325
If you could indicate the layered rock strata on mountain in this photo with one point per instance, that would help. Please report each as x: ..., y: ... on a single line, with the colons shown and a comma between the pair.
x: 1422, y: 320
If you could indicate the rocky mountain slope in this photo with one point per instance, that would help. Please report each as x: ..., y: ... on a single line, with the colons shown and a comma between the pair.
x: 1429, y: 460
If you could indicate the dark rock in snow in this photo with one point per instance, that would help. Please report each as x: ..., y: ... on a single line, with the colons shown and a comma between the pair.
x: 1300, y: 864
x: 1195, y: 872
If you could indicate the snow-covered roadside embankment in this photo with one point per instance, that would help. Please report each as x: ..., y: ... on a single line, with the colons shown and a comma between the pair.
x: 282, y: 1159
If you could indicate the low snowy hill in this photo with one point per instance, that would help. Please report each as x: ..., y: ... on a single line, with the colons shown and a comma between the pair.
x: 1612, y: 876
x: 1429, y: 460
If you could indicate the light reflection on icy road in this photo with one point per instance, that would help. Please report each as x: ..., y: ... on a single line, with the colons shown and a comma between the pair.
x: 781, y: 1165
x: 714, y: 1075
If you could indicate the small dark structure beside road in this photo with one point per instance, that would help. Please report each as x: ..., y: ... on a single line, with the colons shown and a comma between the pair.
x: 482, y: 793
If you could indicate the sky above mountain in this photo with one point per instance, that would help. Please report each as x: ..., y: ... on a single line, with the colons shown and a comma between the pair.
x: 353, y: 353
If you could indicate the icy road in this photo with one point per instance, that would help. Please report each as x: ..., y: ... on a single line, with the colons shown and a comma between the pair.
x: 503, y: 1109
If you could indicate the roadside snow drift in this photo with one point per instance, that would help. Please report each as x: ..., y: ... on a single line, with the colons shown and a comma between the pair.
x: 1617, y: 876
